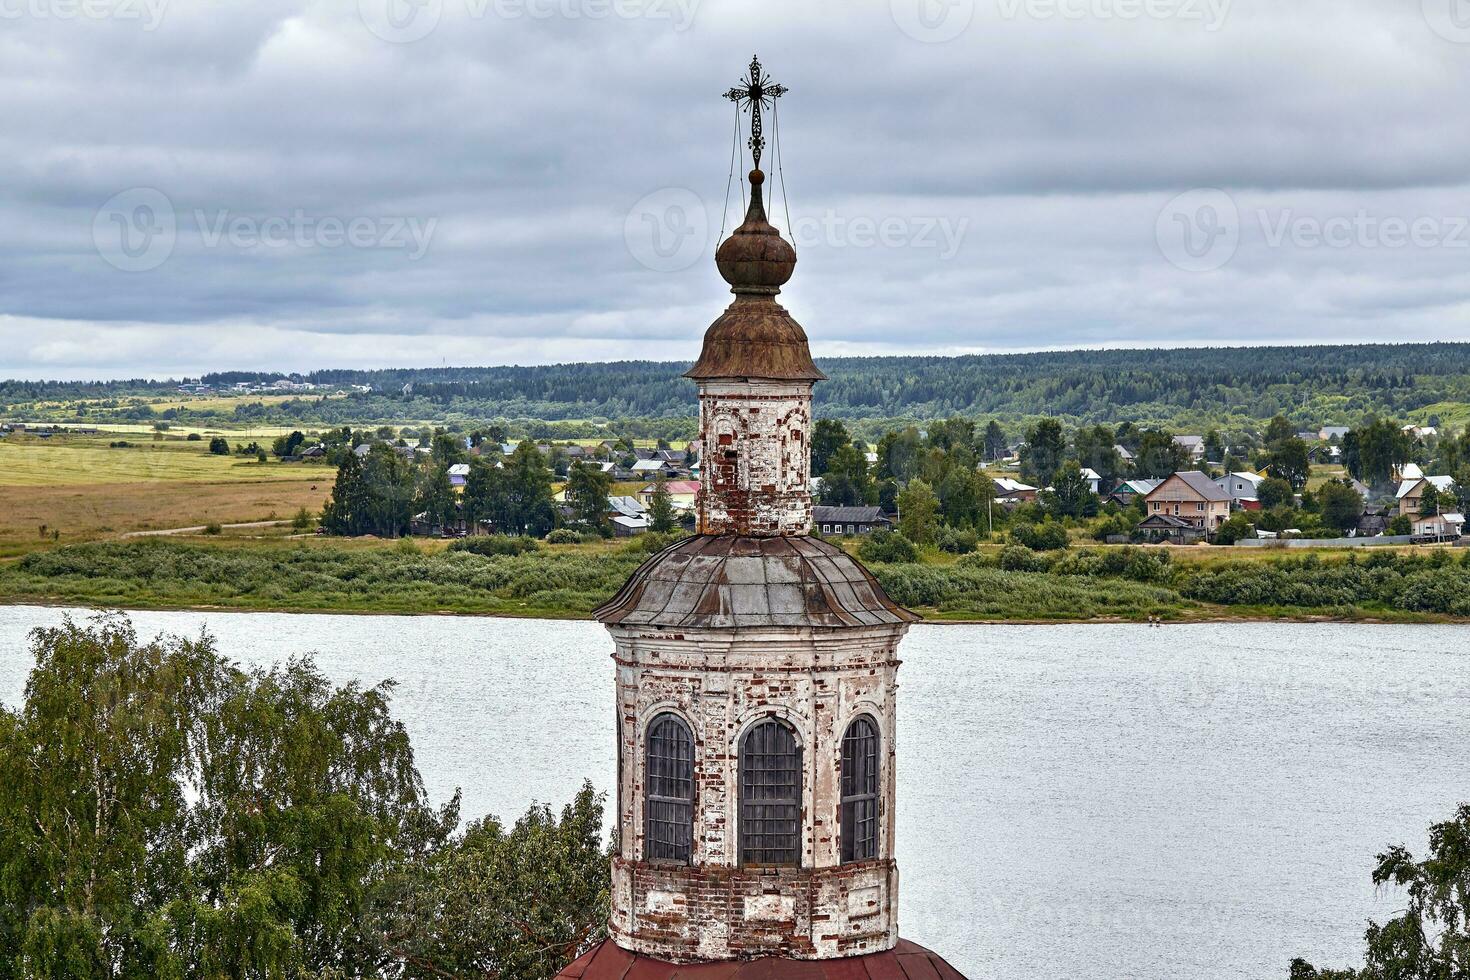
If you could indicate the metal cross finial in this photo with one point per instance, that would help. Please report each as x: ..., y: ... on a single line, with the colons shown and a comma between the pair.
x: 755, y: 92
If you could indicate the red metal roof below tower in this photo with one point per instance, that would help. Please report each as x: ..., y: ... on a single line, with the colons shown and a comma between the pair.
x: 906, y: 961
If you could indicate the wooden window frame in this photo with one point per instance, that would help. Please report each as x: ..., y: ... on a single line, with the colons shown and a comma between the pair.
x: 861, y: 788
x: 668, y: 790
x: 771, y: 777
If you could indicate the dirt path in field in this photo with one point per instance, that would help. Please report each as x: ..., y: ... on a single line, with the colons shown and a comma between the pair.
x: 199, y: 529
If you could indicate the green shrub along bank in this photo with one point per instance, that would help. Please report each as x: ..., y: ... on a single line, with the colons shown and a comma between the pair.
x: 1018, y: 583
x: 517, y: 577
x: 976, y: 592
x: 159, y: 573
x: 1436, y: 582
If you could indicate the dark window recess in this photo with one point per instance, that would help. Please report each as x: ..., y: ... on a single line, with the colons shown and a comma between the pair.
x: 668, y: 804
x: 770, y: 795
x: 860, y: 791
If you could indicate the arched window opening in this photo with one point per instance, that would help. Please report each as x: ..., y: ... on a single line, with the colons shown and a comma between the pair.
x: 770, y: 795
x: 860, y: 791
x: 668, y: 799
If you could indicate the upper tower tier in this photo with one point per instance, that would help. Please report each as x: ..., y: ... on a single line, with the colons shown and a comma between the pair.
x: 755, y: 378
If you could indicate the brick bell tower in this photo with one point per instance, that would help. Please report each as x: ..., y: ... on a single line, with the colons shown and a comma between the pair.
x: 757, y: 673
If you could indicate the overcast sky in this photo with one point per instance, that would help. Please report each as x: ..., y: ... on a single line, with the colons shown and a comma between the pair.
x: 281, y: 184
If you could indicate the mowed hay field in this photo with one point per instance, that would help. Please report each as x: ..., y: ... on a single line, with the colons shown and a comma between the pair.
x: 81, y: 490
x: 32, y: 462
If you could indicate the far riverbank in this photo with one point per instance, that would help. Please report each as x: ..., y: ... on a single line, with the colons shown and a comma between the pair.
x: 1009, y: 586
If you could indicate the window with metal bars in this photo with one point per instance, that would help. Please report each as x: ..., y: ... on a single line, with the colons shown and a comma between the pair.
x: 668, y: 797
x: 770, y: 795
x: 860, y: 791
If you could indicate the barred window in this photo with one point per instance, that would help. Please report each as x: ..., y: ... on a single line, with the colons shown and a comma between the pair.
x: 860, y: 791
x: 668, y: 799
x: 770, y: 795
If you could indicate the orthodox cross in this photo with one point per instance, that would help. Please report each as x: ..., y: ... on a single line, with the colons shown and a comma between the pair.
x: 755, y: 92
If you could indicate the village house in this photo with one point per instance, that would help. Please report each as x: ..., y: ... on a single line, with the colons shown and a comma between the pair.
x: 1008, y: 491
x: 624, y: 526
x: 1175, y: 530
x: 1372, y: 524
x: 1194, y: 444
x: 682, y: 493
x: 1130, y: 490
x: 1093, y: 480
x: 1439, y: 527
x: 849, y: 520
x: 628, y: 515
x: 1187, y: 506
x: 1241, y: 487
x: 1329, y: 432
x: 1320, y: 454
x: 1411, y: 491
x: 653, y: 466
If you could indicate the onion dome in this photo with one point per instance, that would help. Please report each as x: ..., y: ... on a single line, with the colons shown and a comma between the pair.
x: 755, y: 258
x: 730, y: 582
x: 755, y: 337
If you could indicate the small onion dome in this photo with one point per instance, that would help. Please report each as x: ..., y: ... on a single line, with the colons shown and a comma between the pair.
x: 755, y: 258
x: 755, y: 337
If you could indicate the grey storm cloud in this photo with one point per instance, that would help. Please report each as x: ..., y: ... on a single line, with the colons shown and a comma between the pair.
x: 284, y: 184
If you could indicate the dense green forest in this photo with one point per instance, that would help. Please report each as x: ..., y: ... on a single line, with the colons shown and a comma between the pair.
x: 1177, y: 388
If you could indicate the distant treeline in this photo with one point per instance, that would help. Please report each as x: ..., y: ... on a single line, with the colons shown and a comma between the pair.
x: 1178, y: 388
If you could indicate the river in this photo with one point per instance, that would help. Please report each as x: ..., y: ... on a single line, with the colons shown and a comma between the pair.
x: 1109, y: 801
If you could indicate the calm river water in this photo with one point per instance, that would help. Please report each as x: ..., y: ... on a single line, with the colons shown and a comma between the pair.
x: 1074, y: 801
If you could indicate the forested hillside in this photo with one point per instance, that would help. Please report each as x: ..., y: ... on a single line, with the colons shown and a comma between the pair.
x: 1179, y: 388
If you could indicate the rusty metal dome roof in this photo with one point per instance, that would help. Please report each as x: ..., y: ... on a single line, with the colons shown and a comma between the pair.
x: 906, y: 961
x: 755, y: 337
x: 730, y: 581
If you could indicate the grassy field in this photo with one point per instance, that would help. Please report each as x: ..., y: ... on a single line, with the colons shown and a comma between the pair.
x: 65, y: 490
x: 34, y: 518
x: 227, y: 403
x: 80, y: 461
x: 178, y: 430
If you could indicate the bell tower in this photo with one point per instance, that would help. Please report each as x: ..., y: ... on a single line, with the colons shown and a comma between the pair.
x: 755, y: 374
x: 757, y: 680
